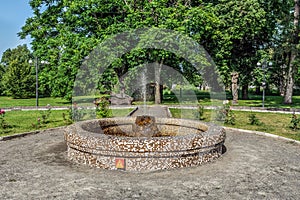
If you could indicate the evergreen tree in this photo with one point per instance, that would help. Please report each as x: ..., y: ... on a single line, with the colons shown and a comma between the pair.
x: 18, y: 80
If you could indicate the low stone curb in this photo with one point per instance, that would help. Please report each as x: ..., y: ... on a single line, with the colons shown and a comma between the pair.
x: 263, y: 134
x: 19, y: 135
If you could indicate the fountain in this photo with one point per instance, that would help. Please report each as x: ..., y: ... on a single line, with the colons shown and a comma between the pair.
x: 147, y: 142
x: 143, y: 143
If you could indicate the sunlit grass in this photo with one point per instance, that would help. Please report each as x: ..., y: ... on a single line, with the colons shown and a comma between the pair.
x: 270, y: 102
x: 275, y: 123
x: 6, y: 102
x: 25, y: 121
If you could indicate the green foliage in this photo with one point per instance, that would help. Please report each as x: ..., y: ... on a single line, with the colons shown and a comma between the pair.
x: 102, y: 108
x: 225, y: 114
x: 18, y: 80
x: 2, y: 72
x: 199, y: 112
x: 67, y: 117
x: 3, y: 124
x: 295, y: 122
x: 6, y: 102
x: 247, y: 27
x: 253, y: 120
x: 65, y: 32
x: 45, y: 114
x: 76, y: 113
x: 43, y: 118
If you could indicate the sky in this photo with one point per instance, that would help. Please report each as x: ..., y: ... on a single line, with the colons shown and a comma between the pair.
x: 13, y: 14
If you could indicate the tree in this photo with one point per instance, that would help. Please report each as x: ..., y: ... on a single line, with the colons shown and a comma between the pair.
x: 248, y: 27
x: 64, y: 32
x: 2, y: 71
x: 292, y: 54
x: 19, y: 77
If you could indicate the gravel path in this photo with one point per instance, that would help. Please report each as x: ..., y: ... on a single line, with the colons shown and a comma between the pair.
x: 254, y: 167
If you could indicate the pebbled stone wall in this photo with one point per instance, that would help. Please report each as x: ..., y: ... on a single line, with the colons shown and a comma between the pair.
x: 106, y: 143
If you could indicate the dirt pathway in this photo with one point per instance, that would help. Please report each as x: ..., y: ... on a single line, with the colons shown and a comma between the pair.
x: 254, y: 167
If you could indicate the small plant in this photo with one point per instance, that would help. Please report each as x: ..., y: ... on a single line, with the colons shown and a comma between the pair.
x: 76, y: 114
x: 37, y: 124
x: 253, y: 120
x: 225, y: 114
x: 45, y: 114
x: 43, y: 118
x: 102, y: 108
x: 295, y: 122
x: 3, y: 124
x: 68, y: 117
x: 199, y: 113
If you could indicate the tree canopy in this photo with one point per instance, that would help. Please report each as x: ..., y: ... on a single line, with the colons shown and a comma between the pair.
x: 237, y: 34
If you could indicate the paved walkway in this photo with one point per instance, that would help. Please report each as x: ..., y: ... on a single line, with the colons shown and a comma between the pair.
x: 254, y: 167
x: 156, y: 111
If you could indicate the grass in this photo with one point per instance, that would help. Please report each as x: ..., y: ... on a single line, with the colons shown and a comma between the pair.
x: 121, y: 112
x: 275, y: 123
x: 187, y: 98
x: 253, y: 101
x: 6, y: 102
x: 25, y: 121
x: 270, y: 101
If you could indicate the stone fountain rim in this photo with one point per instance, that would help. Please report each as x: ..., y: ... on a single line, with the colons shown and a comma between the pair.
x: 213, y: 130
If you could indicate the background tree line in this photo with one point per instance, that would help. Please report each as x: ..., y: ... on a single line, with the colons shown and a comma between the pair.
x: 237, y: 34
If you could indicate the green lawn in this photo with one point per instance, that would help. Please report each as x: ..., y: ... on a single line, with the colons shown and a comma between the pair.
x: 6, y: 102
x: 24, y: 121
x: 254, y: 101
x: 270, y: 101
x: 275, y: 123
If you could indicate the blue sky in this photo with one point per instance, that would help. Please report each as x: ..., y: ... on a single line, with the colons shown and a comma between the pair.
x: 13, y: 14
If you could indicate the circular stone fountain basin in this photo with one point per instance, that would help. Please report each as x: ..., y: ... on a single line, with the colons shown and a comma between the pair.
x: 111, y: 144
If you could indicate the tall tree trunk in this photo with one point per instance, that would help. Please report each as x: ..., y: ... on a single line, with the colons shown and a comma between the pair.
x: 282, y: 82
x: 245, y: 92
x: 122, y: 86
x: 290, y: 81
x: 292, y: 69
x: 158, y: 67
x: 257, y: 90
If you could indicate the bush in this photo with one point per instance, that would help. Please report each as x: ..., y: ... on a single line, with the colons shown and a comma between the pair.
x: 3, y: 124
x: 199, y: 113
x: 43, y: 118
x: 253, y: 120
x: 45, y: 114
x: 225, y: 114
x: 68, y: 119
x: 102, y: 108
x: 75, y: 113
x: 295, y: 122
